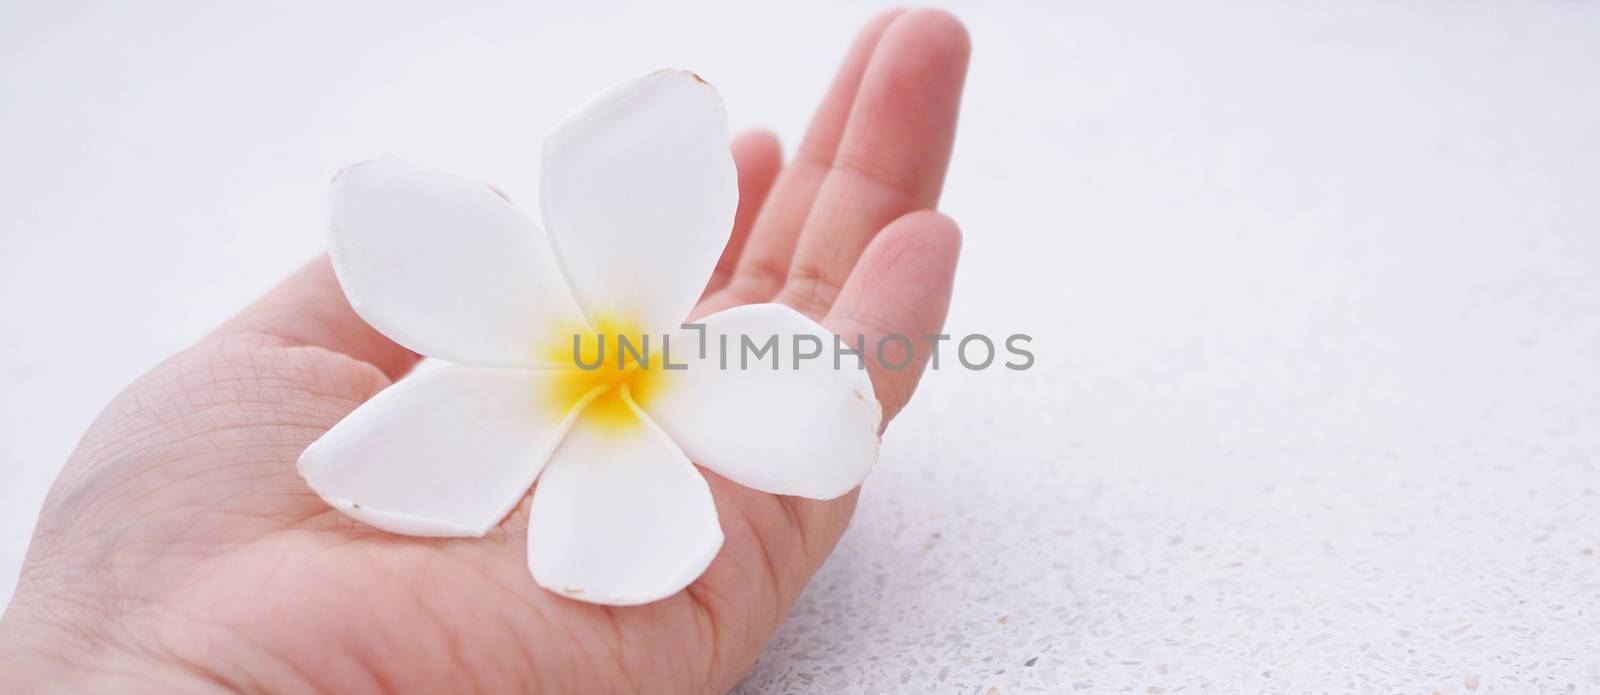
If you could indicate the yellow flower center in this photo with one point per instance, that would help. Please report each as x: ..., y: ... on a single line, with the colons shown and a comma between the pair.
x: 604, y: 366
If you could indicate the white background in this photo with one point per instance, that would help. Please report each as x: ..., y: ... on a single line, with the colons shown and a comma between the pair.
x: 1313, y: 288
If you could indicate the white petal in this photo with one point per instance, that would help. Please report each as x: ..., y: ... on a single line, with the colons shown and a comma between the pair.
x: 447, y: 267
x: 620, y: 516
x: 810, y: 431
x: 447, y: 452
x: 639, y: 191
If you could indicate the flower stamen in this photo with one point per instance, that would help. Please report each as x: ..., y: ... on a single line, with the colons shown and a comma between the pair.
x: 599, y: 366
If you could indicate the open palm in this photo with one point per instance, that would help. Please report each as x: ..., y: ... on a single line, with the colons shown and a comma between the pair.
x: 180, y: 549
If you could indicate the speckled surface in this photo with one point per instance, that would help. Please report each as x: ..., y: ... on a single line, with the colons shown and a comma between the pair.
x: 1411, y: 510
x: 1382, y: 477
x: 1314, y: 289
x: 1317, y: 407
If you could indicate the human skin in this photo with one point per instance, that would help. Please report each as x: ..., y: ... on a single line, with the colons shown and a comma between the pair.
x: 180, y: 551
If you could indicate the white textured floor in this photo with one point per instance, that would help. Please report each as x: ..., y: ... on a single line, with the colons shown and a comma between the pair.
x: 1315, y: 292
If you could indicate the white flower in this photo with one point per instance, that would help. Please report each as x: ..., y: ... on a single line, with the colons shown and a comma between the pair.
x: 638, y: 195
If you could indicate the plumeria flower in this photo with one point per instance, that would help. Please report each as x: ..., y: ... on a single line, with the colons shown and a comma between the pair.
x: 638, y: 196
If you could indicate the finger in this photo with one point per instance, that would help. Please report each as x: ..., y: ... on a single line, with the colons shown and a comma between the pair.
x: 758, y: 157
x: 764, y: 263
x: 892, y: 157
x: 310, y: 309
x: 901, y: 287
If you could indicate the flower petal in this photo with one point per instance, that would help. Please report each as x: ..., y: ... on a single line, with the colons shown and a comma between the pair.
x: 447, y: 267
x: 446, y: 452
x: 804, y: 428
x: 639, y: 192
x: 620, y: 517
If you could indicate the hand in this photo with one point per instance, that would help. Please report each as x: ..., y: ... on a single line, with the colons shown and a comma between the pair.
x: 179, y: 549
